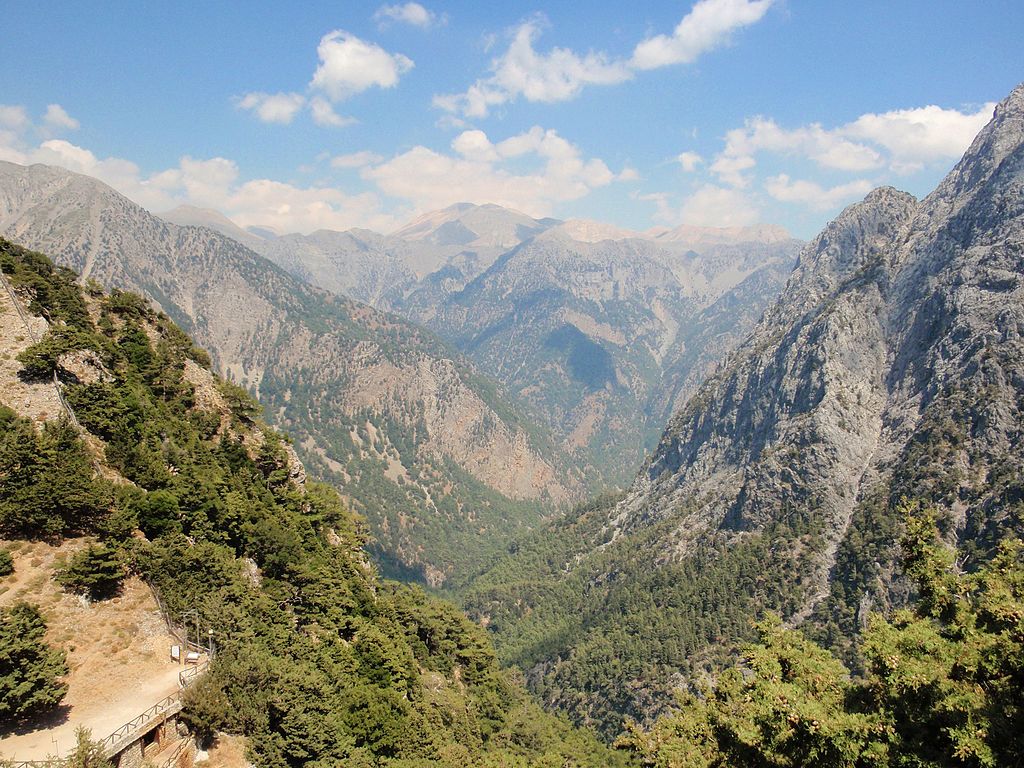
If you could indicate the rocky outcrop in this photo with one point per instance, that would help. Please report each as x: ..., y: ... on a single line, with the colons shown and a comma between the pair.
x: 895, y: 309
x: 891, y: 366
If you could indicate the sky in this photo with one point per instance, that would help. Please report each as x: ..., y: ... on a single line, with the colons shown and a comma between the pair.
x: 302, y: 116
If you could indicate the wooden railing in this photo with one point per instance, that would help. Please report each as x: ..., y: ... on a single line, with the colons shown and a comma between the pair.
x: 131, y: 729
x: 181, y: 749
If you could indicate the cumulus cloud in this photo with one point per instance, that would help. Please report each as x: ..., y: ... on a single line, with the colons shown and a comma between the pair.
x: 689, y: 161
x: 349, y: 66
x: 901, y: 141
x: 708, y: 25
x: 532, y: 171
x: 273, y: 107
x: 730, y: 168
x: 561, y: 73
x: 521, y: 70
x: 57, y: 118
x: 288, y: 208
x: 713, y: 206
x: 356, y: 160
x: 812, y: 194
x: 496, y: 172
x: 407, y: 13
x: 323, y: 114
x: 708, y: 206
x: 915, y: 137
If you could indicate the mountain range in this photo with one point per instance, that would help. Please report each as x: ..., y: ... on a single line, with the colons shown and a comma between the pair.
x: 890, y: 367
x: 533, y: 366
x: 602, y: 331
x: 444, y: 467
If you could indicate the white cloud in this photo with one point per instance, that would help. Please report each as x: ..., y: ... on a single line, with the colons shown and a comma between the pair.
x: 689, y: 161
x: 484, y: 171
x: 521, y: 71
x: 212, y: 183
x: 408, y: 13
x: 812, y: 194
x: 707, y: 26
x: 287, y: 208
x: 901, y: 141
x: 356, y: 160
x: 324, y: 114
x: 730, y: 168
x: 713, y: 206
x: 57, y: 118
x: 273, y: 107
x: 349, y: 66
x: 629, y: 173
x: 915, y: 137
x: 560, y: 74
x: 829, y: 149
x: 14, y: 117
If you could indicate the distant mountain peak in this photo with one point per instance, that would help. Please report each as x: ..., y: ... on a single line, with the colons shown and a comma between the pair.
x: 694, y: 236
x: 194, y: 216
x: 472, y: 225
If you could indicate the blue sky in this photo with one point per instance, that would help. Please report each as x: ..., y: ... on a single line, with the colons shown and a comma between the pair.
x: 307, y: 115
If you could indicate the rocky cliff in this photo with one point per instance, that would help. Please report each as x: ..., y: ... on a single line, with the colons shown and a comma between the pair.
x: 603, y: 331
x: 891, y: 366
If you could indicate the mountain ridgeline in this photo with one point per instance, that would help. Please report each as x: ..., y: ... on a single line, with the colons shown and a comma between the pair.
x: 321, y: 662
x: 603, y: 332
x: 444, y: 466
x: 891, y: 366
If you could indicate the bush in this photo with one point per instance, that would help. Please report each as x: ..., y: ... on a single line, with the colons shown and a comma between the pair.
x: 6, y: 563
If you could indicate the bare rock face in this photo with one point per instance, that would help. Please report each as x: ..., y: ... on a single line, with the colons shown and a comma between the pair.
x: 329, y: 370
x: 602, y: 331
x: 901, y: 313
x: 892, y: 366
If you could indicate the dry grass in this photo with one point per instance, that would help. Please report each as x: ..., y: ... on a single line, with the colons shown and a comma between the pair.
x: 227, y: 752
x: 117, y: 649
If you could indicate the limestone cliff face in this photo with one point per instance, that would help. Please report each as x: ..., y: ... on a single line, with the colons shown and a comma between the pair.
x: 891, y: 366
x: 604, y: 332
x: 900, y: 316
x: 325, y: 367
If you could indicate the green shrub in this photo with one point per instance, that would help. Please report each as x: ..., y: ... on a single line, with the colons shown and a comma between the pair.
x: 96, y: 572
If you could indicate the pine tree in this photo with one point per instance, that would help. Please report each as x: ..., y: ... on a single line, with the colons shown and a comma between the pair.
x: 30, y: 670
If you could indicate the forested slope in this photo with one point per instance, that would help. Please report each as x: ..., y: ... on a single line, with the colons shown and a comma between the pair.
x: 320, y: 661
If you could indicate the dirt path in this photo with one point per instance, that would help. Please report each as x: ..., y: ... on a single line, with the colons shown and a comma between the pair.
x: 118, y: 652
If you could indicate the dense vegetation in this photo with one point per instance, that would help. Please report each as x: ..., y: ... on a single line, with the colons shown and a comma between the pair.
x: 943, y: 686
x: 320, y: 662
x: 611, y: 634
x: 30, y: 670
